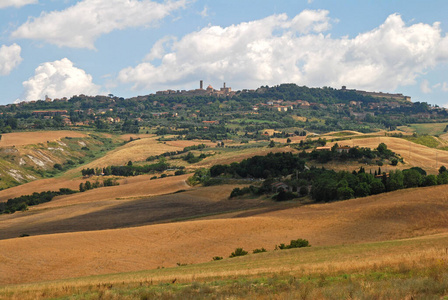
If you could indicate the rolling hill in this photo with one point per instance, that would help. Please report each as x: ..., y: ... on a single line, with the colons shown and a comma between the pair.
x: 145, y: 224
x: 397, y: 215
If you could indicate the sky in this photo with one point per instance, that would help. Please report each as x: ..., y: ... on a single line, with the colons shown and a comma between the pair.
x: 61, y: 48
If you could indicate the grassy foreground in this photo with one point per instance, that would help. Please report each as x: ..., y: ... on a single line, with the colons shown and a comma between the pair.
x: 412, y: 268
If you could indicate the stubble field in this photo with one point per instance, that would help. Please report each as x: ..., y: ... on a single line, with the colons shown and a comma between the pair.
x: 401, y: 214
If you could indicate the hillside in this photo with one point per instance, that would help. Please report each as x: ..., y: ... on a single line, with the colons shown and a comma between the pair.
x: 27, y: 156
x: 414, y: 154
x: 401, y: 214
x: 150, y: 226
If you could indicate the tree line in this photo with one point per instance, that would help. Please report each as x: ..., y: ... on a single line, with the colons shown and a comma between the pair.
x: 323, y: 185
x: 21, y: 203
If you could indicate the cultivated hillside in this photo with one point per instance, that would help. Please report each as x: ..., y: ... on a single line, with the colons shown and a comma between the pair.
x: 400, y: 214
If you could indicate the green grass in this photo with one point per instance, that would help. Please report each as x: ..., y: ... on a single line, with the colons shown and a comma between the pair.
x: 426, y: 128
x: 425, y: 140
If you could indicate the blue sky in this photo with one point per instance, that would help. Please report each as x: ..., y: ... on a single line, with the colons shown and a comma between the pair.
x: 62, y: 48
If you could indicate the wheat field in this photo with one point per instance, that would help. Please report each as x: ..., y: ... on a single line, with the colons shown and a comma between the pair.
x: 397, y: 215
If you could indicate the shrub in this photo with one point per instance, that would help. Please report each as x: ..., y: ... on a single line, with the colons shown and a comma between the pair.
x: 179, y: 172
x: 163, y: 175
x: 153, y: 177
x: 284, y: 195
x: 110, y: 182
x: 212, y: 181
x: 299, y: 243
x: 217, y: 258
x: 255, y: 251
x: 238, y: 252
x: 303, y: 191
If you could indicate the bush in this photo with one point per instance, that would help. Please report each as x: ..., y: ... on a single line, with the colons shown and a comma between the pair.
x: 299, y: 243
x: 284, y: 195
x: 303, y: 191
x: 259, y: 251
x: 238, y: 252
x: 179, y: 172
x: 212, y: 181
x: 217, y: 258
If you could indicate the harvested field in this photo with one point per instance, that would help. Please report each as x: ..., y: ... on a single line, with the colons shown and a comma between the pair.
x: 239, y: 155
x: 84, y: 212
x: 51, y: 184
x: 400, y: 214
x: 188, y: 143
x: 137, y: 150
x: 36, y: 137
x: 413, y: 154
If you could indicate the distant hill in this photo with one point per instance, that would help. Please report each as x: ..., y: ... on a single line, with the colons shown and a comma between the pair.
x: 281, y: 107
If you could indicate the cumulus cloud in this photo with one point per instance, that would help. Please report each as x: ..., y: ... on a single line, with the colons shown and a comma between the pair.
x: 58, y: 79
x: 278, y: 49
x: 9, y: 58
x: 16, y: 3
x: 80, y: 25
x: 311, y: 20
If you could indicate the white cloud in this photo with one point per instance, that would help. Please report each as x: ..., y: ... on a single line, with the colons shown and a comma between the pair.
x: 80, y: 25
x: 58, y: 79
x: 278, y: 49
x: 445, y: 87
x: 204, y: 12
x: 311, y: 20
x: 424, y: 87
x: 15, y: 3
x: 9, y: 58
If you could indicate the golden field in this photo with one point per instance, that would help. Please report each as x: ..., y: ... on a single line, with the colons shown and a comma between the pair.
x: 413, y: 154
x: 148, y: 227
x: 36, y: 137
x: 396, y: 215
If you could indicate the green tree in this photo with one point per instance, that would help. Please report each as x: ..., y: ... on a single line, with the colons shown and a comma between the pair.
x: 412, y: 178
x: 377, y: 187
x: 362, y: 190
x: 345, y: 193
x: 430, y: 180
x: 395, y: 181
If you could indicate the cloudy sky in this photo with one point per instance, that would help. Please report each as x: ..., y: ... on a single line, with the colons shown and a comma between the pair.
x: 137, y: 47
